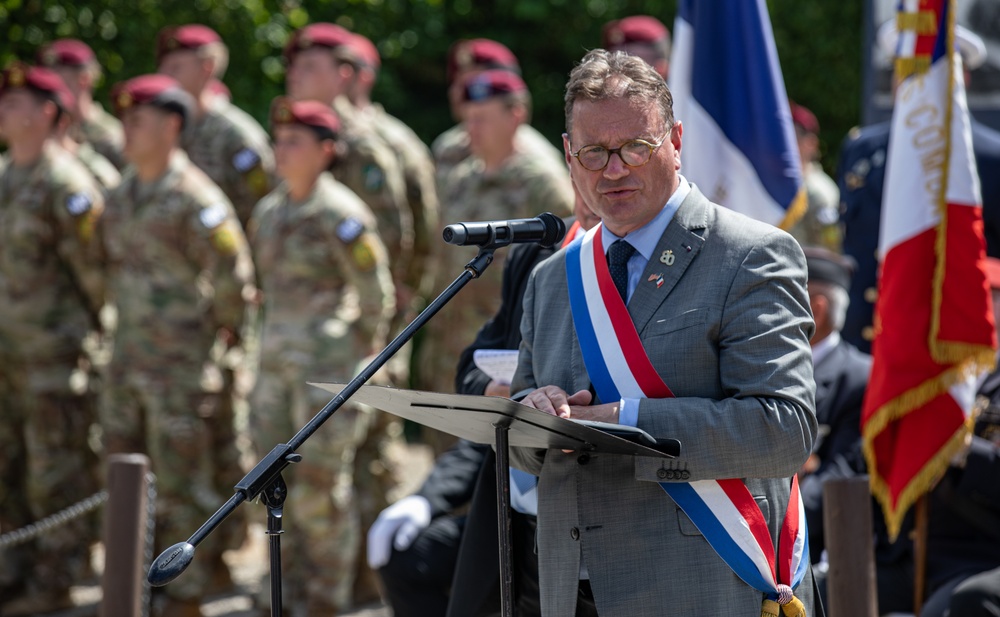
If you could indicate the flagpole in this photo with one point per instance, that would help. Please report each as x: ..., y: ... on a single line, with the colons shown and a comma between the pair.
x: 920, y: 554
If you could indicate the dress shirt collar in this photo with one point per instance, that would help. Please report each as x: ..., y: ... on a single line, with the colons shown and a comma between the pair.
x: 645, y: 239
x: 823, y: 348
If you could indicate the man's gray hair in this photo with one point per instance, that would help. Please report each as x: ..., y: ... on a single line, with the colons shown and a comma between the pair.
x: 837, y: 298
x: 605, y: 75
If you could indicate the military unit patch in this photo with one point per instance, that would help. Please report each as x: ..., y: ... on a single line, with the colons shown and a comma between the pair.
x: 224, y: 240
x: 349, y: 230
x: 363, y: 255
x: 374, y: 177
x: 245, y: 160
x: 78, y: 203
x: 212, y: 216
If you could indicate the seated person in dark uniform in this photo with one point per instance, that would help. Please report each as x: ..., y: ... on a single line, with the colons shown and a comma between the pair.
x: 433, y: 561
x: 963, y: 537
x: 841, y: 373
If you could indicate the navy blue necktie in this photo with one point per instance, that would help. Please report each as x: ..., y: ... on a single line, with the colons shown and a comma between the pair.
x: 618, y: 257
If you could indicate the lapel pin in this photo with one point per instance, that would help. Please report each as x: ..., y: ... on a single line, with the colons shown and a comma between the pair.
x: 656, y: 277
x: 667, y: 258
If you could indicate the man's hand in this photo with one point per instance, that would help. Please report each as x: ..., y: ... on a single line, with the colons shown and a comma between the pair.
x: 495, y: 388
x: 398, y: 525
x: 556, y: 401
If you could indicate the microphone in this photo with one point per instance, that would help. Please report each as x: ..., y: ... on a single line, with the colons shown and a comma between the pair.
x: 547, y: 229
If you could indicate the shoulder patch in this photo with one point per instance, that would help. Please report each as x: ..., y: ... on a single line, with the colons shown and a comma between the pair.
x: 212, y: 216
x: 78, y: 203
x: 349, y: 229
x: 363, y: 254
x: 245, y: 160
x: 374, y: 177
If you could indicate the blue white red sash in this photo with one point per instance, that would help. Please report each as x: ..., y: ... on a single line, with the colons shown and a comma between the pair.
x: 723, y: 510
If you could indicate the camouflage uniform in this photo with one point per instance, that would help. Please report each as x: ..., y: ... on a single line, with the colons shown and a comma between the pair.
x: 104, y: 132
x: 452, y: 147
x: 227, y: 144
x: 820, y: 224
x: 103, y: 170
x: 181, y: 272
x: 51, y: 290
x: 526, y: 185
x: 328, y: 298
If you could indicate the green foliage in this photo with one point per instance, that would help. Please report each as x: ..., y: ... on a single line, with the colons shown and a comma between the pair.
x: 818, y: 43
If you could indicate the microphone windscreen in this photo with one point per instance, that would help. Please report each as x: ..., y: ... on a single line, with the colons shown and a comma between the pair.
x: 555, y: 229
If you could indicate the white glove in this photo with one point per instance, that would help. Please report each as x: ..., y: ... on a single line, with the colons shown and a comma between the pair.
x: 398, y: 525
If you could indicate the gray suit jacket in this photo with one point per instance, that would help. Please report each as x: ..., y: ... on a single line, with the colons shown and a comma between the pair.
x: 728, y: 331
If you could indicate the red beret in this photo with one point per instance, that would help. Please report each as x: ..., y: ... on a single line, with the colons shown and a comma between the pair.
x: 312, y: 114
x: 993, y: 273
x: 366, y: 52
x: 471, y: 54
x: 40, y: 80
x: 804, y: 118
x: 190, y: 36
x: 155, y: 89
x: 66, y: 52
x: 489, y: 84
x: 634, y: 29
x: 320, y: 34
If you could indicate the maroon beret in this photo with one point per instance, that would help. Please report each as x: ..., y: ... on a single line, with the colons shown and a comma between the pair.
x: 154, y: 89
x: 322, y: 34
x: 40, y: 80
x: 190, y: 36
x: 634, y: 29
x: 472, y: 54
x: 66, y: 52
x: 489, y: 84
x: 804, y: 118
x: 312, y: 114
x: 365, y: 51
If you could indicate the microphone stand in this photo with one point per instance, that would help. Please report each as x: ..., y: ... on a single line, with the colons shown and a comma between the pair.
x: 266, y: 477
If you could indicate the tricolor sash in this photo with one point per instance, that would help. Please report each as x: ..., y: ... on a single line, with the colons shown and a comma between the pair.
x: 723, y: 510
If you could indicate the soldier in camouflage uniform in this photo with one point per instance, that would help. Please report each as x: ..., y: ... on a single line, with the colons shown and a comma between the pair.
x: 500, y: 181
x: 328, y: 298
x: 51, y: 290
x: 467, y: 58
x: 222, y: 140
x: 321, y: 67
x: 640, y: 35
x: 103, y: 170
x: 75, y: 62
x: 181, y: 277
x: 820, y: 223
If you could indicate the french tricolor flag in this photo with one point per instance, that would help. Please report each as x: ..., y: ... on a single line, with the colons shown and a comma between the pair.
x: 739, y: 141
x: 934, y: 324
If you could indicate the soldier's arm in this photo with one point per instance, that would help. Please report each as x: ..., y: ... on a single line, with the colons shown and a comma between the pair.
x: 220, y: 248
x: 549, y: 190
x: 78, y: 208
x: 250, y: 173
x: 361, y: 256
x: 425, y: 210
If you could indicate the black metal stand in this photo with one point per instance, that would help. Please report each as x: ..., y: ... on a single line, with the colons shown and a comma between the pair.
x: 266, y: 475
x: 504, y: 539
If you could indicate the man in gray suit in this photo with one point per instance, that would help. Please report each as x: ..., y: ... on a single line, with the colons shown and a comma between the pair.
x: 719, y: 304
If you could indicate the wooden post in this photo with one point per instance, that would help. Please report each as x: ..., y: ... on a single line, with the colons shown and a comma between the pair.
x: 847, y: 515
x: 920, y: 554
x: 125, y: 521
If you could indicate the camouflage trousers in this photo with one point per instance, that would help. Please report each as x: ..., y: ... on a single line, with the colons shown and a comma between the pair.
x: 169, y: 416
x: 321, y: 518
x: 47, y: 465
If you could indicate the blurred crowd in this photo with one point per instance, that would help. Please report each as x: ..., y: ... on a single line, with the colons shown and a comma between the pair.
x: 173, y: 274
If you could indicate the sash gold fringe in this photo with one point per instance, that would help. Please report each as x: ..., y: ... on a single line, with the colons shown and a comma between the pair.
x: 795, y: 608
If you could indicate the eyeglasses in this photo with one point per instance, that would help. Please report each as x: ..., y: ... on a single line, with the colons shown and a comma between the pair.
x: 634, y: 153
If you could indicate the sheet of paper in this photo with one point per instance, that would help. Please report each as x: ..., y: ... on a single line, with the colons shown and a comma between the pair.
x: 499, y: 364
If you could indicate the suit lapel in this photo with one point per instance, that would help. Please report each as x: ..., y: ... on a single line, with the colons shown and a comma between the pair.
x: 825, y: 374
x: 674, y: 252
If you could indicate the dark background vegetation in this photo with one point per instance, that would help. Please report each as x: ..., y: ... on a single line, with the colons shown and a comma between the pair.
x: 819, y: 45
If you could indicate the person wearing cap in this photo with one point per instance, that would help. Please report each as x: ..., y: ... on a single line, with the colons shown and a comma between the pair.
x: 500, y: 180
x: 820, y: 223
x: 182, y: 276
x: 322, y: 65
x: 412, y: 288
x: 841, y: 374
x: 465, y: 59
x: 220, y: 138
x: 74, y: 61
x: 327, y: 301
x: 860, y: 178
x: 640, y: 35
x: 963, y: 541
x: 52, y: 287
